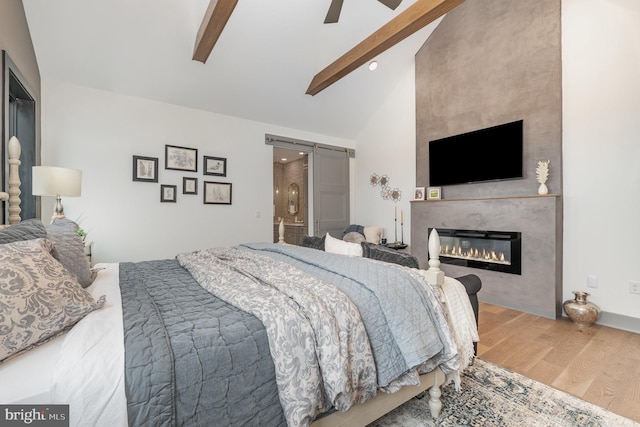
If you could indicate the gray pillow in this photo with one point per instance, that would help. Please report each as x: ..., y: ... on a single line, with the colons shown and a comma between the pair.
x: 354, y: 237
x: 26, y: 230
x: 314, y: 242
x: 382, y: 253
x: 40, y: 298
x: 69, y: 250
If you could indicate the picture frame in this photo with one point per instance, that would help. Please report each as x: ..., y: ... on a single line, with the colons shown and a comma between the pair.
x: 418, y: 193
x: 145, y: 169
x: 214, y: 166
x: 189, y: 185
x: 217, y: 193
x: 180, y: 158
x: 168, y: 193
x: 434, y: 193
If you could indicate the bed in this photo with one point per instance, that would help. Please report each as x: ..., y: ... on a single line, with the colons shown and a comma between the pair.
x: 255, y: 334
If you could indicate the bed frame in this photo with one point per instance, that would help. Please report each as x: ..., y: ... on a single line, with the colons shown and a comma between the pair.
x: 360, y: 415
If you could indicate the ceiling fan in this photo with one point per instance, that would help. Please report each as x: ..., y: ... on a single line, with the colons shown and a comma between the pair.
x: 336, y: 6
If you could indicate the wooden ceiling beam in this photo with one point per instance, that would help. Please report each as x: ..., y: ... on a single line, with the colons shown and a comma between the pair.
x: 412, y: 19
x: 214, y: 21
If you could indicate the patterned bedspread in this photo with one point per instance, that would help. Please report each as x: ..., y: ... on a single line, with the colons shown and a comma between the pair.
x: 328, y: 317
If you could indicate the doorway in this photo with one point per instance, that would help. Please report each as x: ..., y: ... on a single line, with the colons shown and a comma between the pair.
x: 19, y: 120
x: 310, y: 188
x: 291, y: 193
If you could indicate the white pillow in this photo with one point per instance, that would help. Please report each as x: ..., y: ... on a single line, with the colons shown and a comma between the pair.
x: 337, y: 246
x: 373, y: 234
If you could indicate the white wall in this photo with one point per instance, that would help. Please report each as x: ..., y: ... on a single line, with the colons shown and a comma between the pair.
x: 601, y: 143
x: 99, y: 132
x: 387, y: 146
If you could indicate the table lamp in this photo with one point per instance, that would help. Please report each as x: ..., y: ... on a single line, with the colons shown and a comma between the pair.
x: 55, y: 181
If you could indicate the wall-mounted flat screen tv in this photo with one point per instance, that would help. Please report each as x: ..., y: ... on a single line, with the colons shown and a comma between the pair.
x: 489, y: 154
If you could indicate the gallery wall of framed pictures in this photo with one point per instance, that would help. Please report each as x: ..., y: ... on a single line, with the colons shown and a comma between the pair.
x: 185, y: 159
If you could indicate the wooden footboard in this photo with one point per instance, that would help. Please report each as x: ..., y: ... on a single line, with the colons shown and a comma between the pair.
x: 383, y: 403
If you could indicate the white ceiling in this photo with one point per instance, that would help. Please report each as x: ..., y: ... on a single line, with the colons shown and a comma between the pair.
x: 259, y: 69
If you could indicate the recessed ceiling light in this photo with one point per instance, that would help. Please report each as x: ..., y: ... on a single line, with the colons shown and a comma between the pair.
x: 284, y: 159
x: 301, y: 153
x: 373, y: 65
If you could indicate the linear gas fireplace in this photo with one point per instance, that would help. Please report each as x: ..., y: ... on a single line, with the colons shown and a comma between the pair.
x: 488, y: 250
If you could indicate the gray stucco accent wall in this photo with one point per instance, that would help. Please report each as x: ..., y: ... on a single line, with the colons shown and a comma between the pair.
x: 491, y: 62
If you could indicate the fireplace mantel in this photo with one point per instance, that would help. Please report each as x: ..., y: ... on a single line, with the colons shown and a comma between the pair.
x: 522, y: 196
x: 538, y: 289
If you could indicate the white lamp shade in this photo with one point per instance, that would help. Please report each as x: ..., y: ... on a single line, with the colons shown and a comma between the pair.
x: 55, y: 181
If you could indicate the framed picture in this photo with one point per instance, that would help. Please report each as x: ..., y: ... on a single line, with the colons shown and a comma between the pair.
x: 168, y: 193
x: 189, y: 185
x: 418, y: 193
x: 145, y: 169
x: 433, y: 193
x: 217, y: 193
x: 180, y: 158
x: 215, y: 166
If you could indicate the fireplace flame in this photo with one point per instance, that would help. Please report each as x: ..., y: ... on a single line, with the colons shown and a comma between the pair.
x: 474, y: 254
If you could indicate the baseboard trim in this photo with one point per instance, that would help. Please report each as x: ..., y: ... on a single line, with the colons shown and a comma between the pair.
x: 619, y: 321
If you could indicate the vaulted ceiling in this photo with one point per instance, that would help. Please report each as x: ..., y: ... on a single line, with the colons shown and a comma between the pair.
x: 259, y: 68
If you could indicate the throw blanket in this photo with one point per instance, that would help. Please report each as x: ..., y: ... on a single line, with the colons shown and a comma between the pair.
x: 405, y: 322
x: 462, y: 322
x: 317, y: 339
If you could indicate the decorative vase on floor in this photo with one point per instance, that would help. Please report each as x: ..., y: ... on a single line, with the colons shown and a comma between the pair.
x: 581, y: 312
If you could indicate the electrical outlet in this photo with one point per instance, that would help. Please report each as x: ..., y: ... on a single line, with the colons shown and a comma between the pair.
x: 634, y: 287
x: 592, y: 281
x: 258, y: 214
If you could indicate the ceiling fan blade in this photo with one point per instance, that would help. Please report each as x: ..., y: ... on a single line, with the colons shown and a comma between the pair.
x: 391, y: 4
x: 334, y: 12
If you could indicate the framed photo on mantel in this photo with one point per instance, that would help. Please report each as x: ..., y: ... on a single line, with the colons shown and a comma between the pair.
x: 434, y: 193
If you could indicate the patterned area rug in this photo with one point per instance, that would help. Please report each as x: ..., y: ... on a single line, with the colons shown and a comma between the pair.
x: 493, y: 396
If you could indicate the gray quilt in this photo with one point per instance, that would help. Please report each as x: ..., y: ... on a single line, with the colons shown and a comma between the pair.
x: 190, y: 358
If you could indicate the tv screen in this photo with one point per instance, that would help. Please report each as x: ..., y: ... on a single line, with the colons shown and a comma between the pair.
x: 489, y: 154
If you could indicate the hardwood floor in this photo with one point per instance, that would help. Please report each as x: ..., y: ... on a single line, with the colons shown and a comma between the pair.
x: 598, y: 364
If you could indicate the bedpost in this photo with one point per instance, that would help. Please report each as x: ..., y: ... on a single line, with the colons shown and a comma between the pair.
x: 14, y: 180
x: 435, y: 404
x: 281, y: 231
x: 434, y: 276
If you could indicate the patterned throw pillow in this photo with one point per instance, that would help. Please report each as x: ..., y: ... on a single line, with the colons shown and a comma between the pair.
x: 69, y: 250
x: 38, y: 297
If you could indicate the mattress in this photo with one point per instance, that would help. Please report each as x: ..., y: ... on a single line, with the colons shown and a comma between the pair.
x: 26, y: 378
